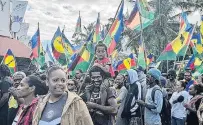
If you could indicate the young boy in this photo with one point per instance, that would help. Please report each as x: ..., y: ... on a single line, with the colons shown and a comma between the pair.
x: 102, y: 60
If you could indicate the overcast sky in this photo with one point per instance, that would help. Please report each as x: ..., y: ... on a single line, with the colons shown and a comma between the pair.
x: 53, y: 13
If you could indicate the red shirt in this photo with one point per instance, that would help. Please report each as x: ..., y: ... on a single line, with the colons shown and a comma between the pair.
x: 27, y: 113
x: 106, y: 61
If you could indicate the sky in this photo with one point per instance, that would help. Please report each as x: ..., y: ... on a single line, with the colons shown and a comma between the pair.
x: 53, y: 13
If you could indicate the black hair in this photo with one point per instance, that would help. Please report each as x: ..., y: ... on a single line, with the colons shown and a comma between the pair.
x: 157, y: 82
x: 98, y: 69
x: 121, y: 75
x: 5, y: 71
x: 75, y: 82
x: 40, y: 87
x: 43, y: 77
x: 87, y: 79
x: 199, y: 88
x: 100, y: 45
x: 80, y: 70
x: 181, y: 76
x: 187, y: 71
x: 172, y: 72
x: 51, y: 69
x: 183, y: 84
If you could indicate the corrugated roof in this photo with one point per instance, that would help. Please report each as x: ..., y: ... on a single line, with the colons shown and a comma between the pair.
x: 18, y: 48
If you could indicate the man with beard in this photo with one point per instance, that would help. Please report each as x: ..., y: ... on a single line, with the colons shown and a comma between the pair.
x: 101, y: 115
x: 121, y: 96
x: 188, y: 79
x: 154, y: 98
x: 171, y: 82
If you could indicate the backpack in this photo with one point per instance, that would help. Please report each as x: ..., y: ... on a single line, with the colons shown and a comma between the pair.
x: 165, y: 111
x: 126, y: 113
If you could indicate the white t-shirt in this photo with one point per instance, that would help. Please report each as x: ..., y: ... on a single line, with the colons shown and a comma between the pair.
x: 178, y: 110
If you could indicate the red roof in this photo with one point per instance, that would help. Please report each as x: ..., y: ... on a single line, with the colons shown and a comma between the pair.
x: 19, y: 49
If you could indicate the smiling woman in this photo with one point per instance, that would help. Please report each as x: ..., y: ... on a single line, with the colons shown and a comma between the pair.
x: 60, y: 106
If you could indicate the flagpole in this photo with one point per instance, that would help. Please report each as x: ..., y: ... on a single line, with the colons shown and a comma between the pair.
x: 182, y: 62
x: 142, y: 40
x: 62, y: 40
x: 83, y: 82
x: 167, y: 66
x: 189, y: 40
x: 2, y: 61
x: 29, y: 65
x: 114, y: 18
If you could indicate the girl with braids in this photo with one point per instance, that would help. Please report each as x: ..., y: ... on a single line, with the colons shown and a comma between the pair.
x: 30, y: 87
x: 59, y: 106
x: 195, y: 90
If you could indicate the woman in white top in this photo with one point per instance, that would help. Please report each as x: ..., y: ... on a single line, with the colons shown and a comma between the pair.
x: 179, y: 98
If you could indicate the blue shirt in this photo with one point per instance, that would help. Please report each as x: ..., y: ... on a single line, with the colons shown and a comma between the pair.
x: 189, y: 84
x: 152, y: 117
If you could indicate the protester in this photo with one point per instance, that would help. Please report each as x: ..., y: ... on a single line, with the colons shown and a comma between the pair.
x: 101, y: 114
x: 195, y: 90
x: 79, y: 76
x: 166, y: 108
x: 72, y: 85
x: 154, y: 99
x: 179, y: 98
x: 171, y: 83
x: 14, y: 101
x: 60, y: 106
x: 132, y: 111
x: 121, y: 97
x: 180, y: 76
x: 5, y: 83
x: 142, y: 80
x: 29, y: 88
x: 188, y: 79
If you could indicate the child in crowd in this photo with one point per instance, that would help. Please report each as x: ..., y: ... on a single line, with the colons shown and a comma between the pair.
x: 104, y: 63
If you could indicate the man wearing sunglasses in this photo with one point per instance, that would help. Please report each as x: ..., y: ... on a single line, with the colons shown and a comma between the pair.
x: 188, y: 79
x: 153, y: 105
x: 171, y: 82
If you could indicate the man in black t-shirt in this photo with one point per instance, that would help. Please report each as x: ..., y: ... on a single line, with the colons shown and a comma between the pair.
x: 5, y: 83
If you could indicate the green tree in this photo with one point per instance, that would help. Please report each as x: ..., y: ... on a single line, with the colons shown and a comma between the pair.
x: 163, y: 30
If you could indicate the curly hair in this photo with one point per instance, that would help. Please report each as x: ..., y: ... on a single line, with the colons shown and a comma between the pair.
x: 75, y: 82
x: 172, y: 72
x: 198, y: 88
x: 4, y: 70
x: 100, y: 45
x: 98, y: 69
x: 40, y: 86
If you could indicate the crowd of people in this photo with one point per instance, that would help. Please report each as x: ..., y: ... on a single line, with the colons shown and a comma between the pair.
x: 100, y: 96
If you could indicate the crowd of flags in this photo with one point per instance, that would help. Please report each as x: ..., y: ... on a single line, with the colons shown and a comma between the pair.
x: 64, y: 53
